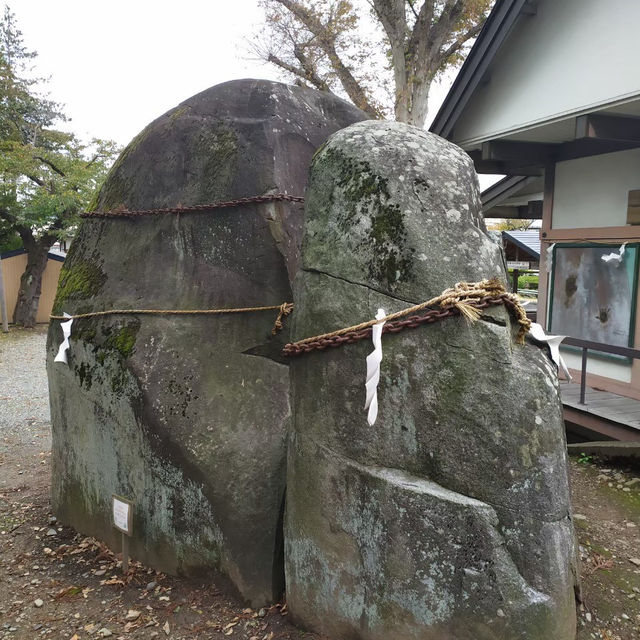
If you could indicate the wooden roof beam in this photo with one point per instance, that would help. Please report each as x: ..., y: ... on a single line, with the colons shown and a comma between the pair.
x: 595, y: 126
x: 530, y: 211
x: 583, y: 147
x: 503, y: 168
x: 518, y: 153
x: 528, y: 158
x: 498, y: 193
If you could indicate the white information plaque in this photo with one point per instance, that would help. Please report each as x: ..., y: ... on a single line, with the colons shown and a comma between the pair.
x: 122, y: 510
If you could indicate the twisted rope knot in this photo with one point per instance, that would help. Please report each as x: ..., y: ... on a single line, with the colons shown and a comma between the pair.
x: 463, y: 294
x: 285, y: 309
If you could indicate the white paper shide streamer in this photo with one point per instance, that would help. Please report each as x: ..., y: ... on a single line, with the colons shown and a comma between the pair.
x: 616, y: 257
x: 550, y: 254
x: 539, y: 334
x: 66, y: 332
x: 373, y: 370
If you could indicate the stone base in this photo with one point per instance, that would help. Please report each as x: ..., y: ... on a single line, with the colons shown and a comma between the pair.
x: 375, y: 553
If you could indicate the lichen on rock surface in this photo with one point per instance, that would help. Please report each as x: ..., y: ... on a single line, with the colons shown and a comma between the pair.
x: 172, y: 411
x: 450, y: 517
x: 385, y: 239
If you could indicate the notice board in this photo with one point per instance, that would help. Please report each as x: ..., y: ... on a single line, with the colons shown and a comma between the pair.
x: 592, y: 299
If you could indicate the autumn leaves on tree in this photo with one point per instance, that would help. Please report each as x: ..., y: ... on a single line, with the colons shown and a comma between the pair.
x: 382, y: 55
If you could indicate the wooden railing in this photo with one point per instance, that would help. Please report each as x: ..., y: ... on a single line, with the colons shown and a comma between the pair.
x: 588, y: 345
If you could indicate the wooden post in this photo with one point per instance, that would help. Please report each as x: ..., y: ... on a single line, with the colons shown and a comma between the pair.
x: 125, y: 553
x: 516, y: 275
x: 122, y: 513
x: 3, y: 303
x: 583, y: 378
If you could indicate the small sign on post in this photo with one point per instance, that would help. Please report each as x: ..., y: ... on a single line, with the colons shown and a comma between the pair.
x: 122, y: 513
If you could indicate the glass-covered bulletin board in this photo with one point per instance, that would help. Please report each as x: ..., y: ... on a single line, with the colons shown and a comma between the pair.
x: 591, y: 298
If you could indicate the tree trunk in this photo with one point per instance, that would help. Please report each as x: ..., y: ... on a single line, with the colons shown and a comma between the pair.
x: 419, y: 102
x: 31, y: 281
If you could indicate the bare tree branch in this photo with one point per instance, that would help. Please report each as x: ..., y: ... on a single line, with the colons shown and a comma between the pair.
x: 460, y: 42
x: 309, y: 71
x: 296, y: 71
x: 421, y: 30
x: 412, y: 7
x: 51, y: 165
x: 318, y: 42
x: 38, y: 181
x: 327, y: 42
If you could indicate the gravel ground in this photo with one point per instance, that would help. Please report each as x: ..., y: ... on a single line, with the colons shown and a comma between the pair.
x: 24, y: 392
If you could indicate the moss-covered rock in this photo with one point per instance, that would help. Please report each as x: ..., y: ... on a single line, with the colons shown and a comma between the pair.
x: 450, y: 517
x: 79, y: 280
x: 172, y: 411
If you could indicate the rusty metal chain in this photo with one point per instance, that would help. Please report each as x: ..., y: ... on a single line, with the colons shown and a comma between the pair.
x: 238, y: 202
x: 395, y: 326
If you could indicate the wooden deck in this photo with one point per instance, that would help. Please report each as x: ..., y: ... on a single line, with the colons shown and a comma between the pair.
x: 604, y: 414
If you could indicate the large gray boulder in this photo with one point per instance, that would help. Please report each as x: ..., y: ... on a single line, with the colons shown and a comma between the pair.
x: 450, y: 517
x: 187, y: 416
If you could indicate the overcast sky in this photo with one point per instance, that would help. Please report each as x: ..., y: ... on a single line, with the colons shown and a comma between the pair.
x: 116, y: 65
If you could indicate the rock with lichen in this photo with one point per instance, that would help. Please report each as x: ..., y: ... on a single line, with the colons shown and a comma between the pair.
x: 450, y: 516
x: 186, y: 416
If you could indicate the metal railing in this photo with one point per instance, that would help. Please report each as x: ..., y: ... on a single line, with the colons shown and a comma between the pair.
x: 588, y: 345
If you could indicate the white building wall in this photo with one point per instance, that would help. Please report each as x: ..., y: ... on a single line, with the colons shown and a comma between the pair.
x: 570, y: 56
x: 594, y: 191
x: 620, y: 371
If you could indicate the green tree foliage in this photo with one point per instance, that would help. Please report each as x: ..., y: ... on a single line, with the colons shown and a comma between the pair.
x: 510, y: 224
x: 47, y: 176
x: 381, y: 54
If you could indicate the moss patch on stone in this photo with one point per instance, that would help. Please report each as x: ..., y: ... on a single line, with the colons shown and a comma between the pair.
x: 219, y: 149
x: 178, y: 112
x: 84, y: 329
x: 367, y: 193
x: 84, y: 375
x: 124, y: 339
x: 79, y: 280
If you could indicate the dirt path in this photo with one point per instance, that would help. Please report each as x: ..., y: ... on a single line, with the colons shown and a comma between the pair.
x: 606, y: 505
x: 56, y: 584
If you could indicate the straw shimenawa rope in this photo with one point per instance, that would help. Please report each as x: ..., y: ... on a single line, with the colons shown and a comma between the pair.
x: 461, y: 296
x: 466, y: 297
x: 284, y: 309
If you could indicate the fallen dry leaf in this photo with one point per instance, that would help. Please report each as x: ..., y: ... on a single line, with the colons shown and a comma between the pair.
x: 69, y: 591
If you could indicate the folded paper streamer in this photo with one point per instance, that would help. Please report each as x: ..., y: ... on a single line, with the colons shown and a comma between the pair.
x: 550, y: 254
x: 66, y: 332
x: 373, y: 370
x: 616, y: 257
x: 539, y: 334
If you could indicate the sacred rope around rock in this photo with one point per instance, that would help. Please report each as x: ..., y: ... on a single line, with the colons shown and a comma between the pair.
x: 465, y: 298
x: 284, y: 310
x: 238, y: 202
